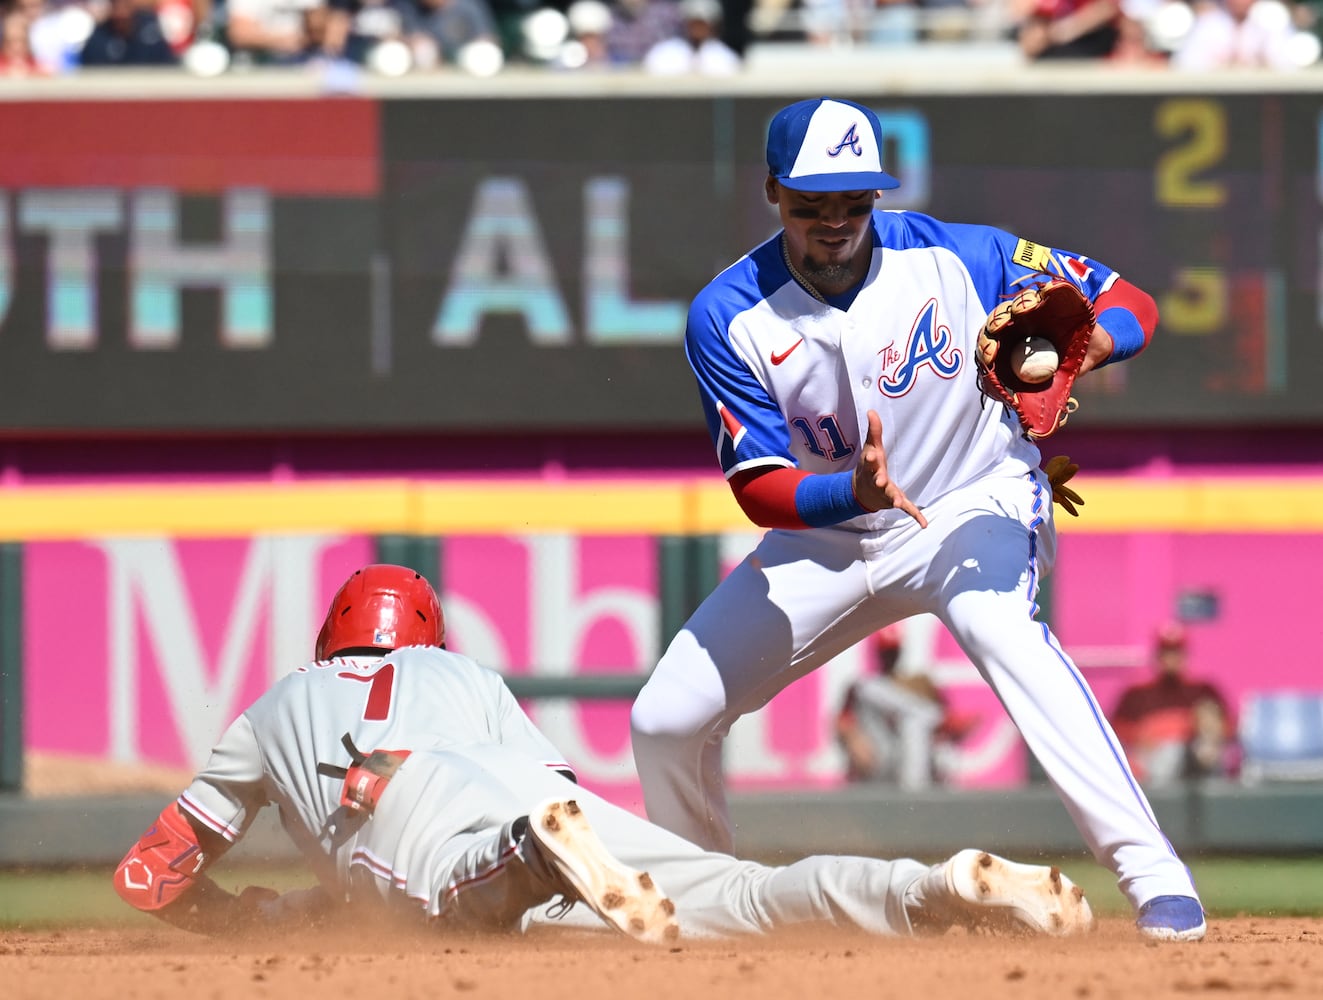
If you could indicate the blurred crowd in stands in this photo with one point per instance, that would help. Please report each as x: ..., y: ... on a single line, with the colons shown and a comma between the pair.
x: 896, y: 726
x: 482, y: 37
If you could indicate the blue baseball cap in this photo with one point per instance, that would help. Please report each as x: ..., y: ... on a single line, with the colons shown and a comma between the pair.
x: 826, y: 144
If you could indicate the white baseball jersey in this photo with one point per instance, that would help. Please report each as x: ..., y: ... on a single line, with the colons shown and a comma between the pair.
x: 441, y: 827
x: 786, y: 380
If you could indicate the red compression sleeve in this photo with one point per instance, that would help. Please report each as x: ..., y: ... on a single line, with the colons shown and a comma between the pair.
x: 1136, y: 301
x: 767, y: 496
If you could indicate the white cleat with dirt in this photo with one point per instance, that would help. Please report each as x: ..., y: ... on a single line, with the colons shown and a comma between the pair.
x: 627, y: 900
x: 1000, y: 895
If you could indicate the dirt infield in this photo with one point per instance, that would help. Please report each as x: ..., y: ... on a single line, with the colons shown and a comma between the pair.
x: 1243, y: 957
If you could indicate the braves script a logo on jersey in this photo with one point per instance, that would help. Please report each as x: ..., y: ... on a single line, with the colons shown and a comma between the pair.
x: 848, y: 141
x: 929, y: 341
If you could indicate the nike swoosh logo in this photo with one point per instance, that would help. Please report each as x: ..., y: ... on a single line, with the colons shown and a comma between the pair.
x: 778, y: 358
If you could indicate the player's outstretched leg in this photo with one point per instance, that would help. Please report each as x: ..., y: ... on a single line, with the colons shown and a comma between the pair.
x: 627, y: 900
x: 1172, y: 918
x: 981, y: 891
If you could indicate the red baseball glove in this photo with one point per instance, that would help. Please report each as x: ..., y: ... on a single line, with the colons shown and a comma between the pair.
x: 1056, y: 310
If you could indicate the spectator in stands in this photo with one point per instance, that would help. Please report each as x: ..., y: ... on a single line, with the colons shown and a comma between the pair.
x: 179, y: 20
x: 698, y: 48
x: 1174, y: 728
x: 1134, y: 49
x: 587, y: 48
x: 53, y: 45
x: 446, y: 26
x: 1069, y: 29
x: 638, y: 25
x: 896, y: 727
x: 56, y: 32
x: 355, y: 27
x: 510, y: 15
x: 894, y: 22
x: 129, y: 35
x: 830, y: 23
x: 272, y: 32
x: 735, y: 24
x: 16, y: 58
x: 958, y: 20
x: 1230, y: 34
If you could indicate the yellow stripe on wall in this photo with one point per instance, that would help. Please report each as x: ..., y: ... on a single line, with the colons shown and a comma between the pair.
x: 1204, y: 505
x: 376, y: 506
x: 536, y: 506
x: 1113, y: 505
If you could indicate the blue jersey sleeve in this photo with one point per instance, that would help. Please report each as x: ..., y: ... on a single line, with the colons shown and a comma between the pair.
x: 1000, y: 264
x: 747, y: 428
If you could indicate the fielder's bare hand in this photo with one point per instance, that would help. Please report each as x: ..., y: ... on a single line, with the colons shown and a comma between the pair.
x: 1100, y: 349
x: 873, y: 487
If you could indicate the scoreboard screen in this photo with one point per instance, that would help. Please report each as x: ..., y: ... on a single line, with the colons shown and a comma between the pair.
x: 527, y: 264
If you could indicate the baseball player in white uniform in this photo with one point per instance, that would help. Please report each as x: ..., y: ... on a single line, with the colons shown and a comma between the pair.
x: 836, y: 367
x: 413, y: 782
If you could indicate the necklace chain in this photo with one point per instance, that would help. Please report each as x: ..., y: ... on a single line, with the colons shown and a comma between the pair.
x: 794, y: 272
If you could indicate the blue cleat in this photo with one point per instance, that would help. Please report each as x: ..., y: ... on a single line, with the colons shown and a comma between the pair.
x: 1172, y: 918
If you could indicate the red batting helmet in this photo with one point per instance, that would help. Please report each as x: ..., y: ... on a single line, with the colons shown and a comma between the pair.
x: 382, y: 607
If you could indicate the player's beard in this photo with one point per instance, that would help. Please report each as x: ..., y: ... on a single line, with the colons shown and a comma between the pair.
x: 829, y: 274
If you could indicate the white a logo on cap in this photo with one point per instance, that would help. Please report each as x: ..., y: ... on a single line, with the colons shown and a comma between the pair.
x: 848, y: 141
x: 834, y: 129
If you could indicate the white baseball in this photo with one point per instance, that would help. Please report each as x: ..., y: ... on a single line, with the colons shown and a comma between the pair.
x: 1035, y: 360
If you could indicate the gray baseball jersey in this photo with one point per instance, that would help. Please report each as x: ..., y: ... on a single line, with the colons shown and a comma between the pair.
x: 477, y: 762
x: 416, y: 698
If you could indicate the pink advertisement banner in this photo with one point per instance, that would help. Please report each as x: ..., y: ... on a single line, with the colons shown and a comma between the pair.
x: 142, y: 650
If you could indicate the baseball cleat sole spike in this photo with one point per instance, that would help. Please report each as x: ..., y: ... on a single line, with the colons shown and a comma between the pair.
x: 1005, y: 895
x: 627, y: 900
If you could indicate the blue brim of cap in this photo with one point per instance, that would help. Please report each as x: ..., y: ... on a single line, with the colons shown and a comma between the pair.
x: 863, y: 181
